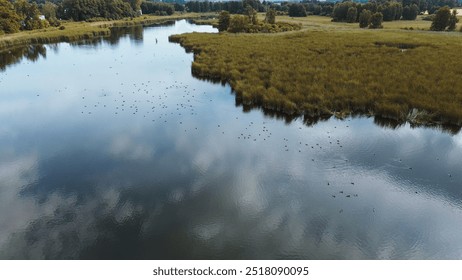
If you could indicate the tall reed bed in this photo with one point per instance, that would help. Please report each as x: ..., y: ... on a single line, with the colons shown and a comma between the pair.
x: 392, y: 74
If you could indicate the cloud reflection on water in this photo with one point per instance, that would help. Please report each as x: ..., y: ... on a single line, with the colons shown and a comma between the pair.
x: 166, y: 185
x: 247, y: 213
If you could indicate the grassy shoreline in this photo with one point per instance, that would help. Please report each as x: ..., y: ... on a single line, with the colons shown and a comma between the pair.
x: 74, y: 31
x: 338, y: 69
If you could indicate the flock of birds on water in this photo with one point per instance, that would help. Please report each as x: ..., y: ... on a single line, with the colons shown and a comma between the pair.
x: 175, y: 103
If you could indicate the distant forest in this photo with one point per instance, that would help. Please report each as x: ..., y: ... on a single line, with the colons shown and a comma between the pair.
x: 16, y: 15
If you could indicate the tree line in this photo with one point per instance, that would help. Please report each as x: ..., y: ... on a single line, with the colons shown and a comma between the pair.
x: 18, y: 15
x: 390, y: 10
x: 405, y: 8
x: 233, y: 7
x: 372, y: 14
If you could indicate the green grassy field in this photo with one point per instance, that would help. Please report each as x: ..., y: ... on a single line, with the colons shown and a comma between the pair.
x: 337, y: 68
x: 318, y: 22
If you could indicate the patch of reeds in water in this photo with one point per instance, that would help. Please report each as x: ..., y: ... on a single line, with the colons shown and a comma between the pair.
x: 396, y: 75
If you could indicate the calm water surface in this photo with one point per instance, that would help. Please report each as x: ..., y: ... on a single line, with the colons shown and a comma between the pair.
x: 112, y: 150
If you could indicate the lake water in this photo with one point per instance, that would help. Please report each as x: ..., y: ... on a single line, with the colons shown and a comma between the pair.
x: 111, y: 150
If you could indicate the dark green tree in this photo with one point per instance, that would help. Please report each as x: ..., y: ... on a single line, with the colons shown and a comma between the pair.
x: 297, y: 10
x: 453, y: 20
x: 29, y: 13
x: 441, y: 19
x: 365, y: 18
x: 410, y: 12
x: 399, y: 11
x: 135, y: 4
x: 340, y: 12
x: 371, y: 6
x: 414, y: 11
x: 49, y: 11
x: 79, y: 10
x: 223, y: 21
x: 251, y: 13
x: 390, y: 10
x: 423, y: 5
x: 406, y: 13
x: 157, y: 8
x: 238, y: 23
x: 352, y: 14
x: 433, y: 9
x: 178, y: 7
x: 255, y: 4
x: 376, y: 21
x: 327, y: 9
x: 9, y: 19
x: 270, y: 16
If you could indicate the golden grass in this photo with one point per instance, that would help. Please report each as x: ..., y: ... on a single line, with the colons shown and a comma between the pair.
x: 74, y: 31
x: 337, y: 68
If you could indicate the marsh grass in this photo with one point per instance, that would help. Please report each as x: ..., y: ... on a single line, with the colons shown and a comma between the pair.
x: 334, y: 69
x: 211, y: 20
